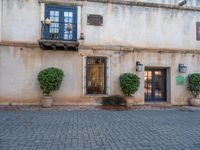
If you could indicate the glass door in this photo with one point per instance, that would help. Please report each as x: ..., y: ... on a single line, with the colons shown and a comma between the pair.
x: 96, y: 75
x: 70, y: 24
x: 63, y: 22
x: 155, y: 84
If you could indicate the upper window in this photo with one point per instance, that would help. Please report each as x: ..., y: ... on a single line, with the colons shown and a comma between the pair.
x: 62, y: 23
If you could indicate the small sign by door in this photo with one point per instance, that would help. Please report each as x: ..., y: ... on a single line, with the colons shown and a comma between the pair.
x: 179, y: 80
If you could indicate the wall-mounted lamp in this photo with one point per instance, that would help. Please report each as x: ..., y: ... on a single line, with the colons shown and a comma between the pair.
x: 182, y: 68
x: 139, y: 66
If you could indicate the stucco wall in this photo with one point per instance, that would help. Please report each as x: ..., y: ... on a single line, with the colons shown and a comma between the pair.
x: 172, y: 2
x: 190, y: 3
x: 141, y: 26
x: 21, y: 20
x: 19, y: 69
x: 0, y: 17
x: 123, y: 25
x: 125, y: 62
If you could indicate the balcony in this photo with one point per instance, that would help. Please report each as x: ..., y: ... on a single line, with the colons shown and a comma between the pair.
x: 58, y: 36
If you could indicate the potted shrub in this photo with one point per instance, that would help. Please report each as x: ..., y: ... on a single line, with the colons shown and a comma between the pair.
x: 50, y: 80
x: 129, y: 84
x: 194, y: 88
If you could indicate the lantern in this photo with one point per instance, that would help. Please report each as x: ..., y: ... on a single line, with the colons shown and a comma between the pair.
x: 139, y: 66
x: 182, y: 68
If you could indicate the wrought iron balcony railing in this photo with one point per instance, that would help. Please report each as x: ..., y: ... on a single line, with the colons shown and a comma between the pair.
x: 61, y: 31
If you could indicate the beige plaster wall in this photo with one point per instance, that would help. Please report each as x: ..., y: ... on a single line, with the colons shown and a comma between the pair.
x: 21, y: 20
x: 141, y: 26
x: 190, y: 3
x: 123, y: 25
x: 19, y: 69
x: 172, y: 2
x: 176, y: 95
x: 0, y: 18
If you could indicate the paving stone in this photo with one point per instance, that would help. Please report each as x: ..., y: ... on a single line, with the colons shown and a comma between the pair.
x: 61, y: 129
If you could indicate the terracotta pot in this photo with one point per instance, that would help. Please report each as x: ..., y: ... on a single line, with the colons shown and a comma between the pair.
x: 47, y: 21
x: 130, y: 101
x: 194, y: 102
x: 82, y: 36
x: 68, y: 27
x: 47, y: 101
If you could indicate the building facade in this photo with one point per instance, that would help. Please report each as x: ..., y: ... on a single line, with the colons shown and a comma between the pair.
x: 94, y: 42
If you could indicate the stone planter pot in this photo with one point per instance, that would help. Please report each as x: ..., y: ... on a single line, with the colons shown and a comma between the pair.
x: 130, y: 101
x: 47, y: 101
x: 194, y: 102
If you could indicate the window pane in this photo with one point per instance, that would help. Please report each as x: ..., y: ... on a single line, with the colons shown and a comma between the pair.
x: 68, y: 35
x: 51, y: 13
x: 66, y: 14
x: 70, y: 14
x: 56, y: 13
x: 57, y: 19
x: 158, y: 84
x: 54, y: 27
x: 148, y: 84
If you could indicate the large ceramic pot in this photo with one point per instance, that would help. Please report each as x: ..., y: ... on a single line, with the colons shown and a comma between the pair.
x: 47, y: 101
x: 130, y: 100
x: 194, y: 102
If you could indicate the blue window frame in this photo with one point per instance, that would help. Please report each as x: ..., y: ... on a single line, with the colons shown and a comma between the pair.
x: 62, y: 17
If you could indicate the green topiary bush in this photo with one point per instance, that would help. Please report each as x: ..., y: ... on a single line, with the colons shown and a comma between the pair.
x: 114, y: 100
x: 50, y: 79
x: 129, y: 83
x: 194, y: 84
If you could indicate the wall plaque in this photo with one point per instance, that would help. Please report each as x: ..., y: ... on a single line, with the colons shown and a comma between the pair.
x: 180, y: 80
x: 95, y: 20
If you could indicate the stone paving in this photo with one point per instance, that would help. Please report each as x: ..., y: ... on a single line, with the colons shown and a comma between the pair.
x: 63, y: 129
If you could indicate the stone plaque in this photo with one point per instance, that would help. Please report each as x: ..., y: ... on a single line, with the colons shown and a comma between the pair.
x: 180, y: 80
x: 95, y: 20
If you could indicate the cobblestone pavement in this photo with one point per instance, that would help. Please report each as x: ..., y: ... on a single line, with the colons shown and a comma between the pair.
x: 45, y: 129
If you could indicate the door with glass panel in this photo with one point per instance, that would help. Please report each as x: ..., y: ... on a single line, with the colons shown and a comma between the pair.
x: 63, y: 22
x: 96, y: 75
x: 155, y: 84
